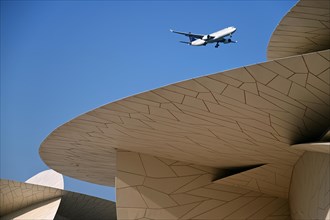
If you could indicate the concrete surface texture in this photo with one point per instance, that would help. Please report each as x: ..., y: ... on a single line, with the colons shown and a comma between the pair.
x: 33, y: 200
x: 239, y: 144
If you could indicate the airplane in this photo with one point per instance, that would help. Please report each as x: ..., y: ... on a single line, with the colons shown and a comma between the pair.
x: 216, y: 37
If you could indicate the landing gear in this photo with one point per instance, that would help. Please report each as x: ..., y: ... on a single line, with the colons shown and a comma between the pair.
x: 217, y: 45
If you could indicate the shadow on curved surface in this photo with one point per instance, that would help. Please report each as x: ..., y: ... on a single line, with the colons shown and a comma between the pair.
x: 250, y: 115
x: 304, y: 29
x: 36, y: 201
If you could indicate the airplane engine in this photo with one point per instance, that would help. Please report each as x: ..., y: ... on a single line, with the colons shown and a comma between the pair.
x: 227, y: 41
x: 206, y: 37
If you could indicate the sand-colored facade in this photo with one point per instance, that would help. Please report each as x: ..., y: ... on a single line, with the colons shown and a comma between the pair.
x: 304, y: 29
x: 224, y: 146
x: 42, y: 197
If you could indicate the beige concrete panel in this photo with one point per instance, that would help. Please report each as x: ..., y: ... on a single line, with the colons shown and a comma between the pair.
x: 220, y: 110
x: 49, y: 178
x: 248, y: 111
x: 198, y: 182
x: 305, y: 28
x: 180, y: 163
x: 80, y: 157
x: 214, y: 194
x: 132, y: 165
x: 171, y: 96
x: 212, y: 84
x: 153, y: 97
x: 297, y: 28
x: 310, y: 113
x: 84, y: 207
x: 278, y: 68
x: 270, y: 209
x: 169, y: 213
x: 118, y: 109
x: 230, y: 126
x: 279, y: 38
x: 192, y: 85
x: 188, y: 196
x: 300, y: 79
x: 161, y: 113
x: 225, y: 79
x: 155, y: 167
x: 130, y: 197
x: 16, y: 195
x: 45, y: 210
x: 325, y: 54
x: 312, y: 11
x: 290, y: 20
x: 319, y: 84
x: 260, y: 180
x: 41, y: 197
x: 283, y: 211
x: 168, y: 185
x: 315, y: 64
x: 325, y: 76
x: 194, y: 102
x: 203, y: 207
x: 234, y: 93
x: 229, y: 188
x: 140, y: 107
x: 188, y: 119
x: 207, y: 97
x: 227, y: 209
x: 253, y: 207
x: 301, y: 94
x: 240, y: 74
x: 156, y: 199
x: 169, y: 106
x: 315, y: 147
x: 290, y: 108
x: 130, y: 213
x: 184, y: 198
x: 184, y: 170
x: 310, y: 186
x: 295, y: 64
x: 128, y: 179
x: 250, y: 87
x: 259, y: 102
x: 181, y: 90
x: 261, y: 74
x: 280, y: 84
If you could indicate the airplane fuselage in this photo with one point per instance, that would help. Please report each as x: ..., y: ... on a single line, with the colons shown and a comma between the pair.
x: 214, y: 37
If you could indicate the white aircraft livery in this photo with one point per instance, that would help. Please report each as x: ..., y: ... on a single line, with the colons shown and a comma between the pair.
x: 216, y: 37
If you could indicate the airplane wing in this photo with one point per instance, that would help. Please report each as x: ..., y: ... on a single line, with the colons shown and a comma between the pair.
x: 198, y: 36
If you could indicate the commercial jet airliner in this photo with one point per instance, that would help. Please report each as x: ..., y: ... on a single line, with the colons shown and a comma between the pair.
x: 216, y: 37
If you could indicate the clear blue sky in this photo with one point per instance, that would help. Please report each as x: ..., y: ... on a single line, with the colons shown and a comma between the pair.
x: 60, y: 59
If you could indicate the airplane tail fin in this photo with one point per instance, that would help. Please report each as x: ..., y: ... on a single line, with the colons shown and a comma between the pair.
x: 191, y: 39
